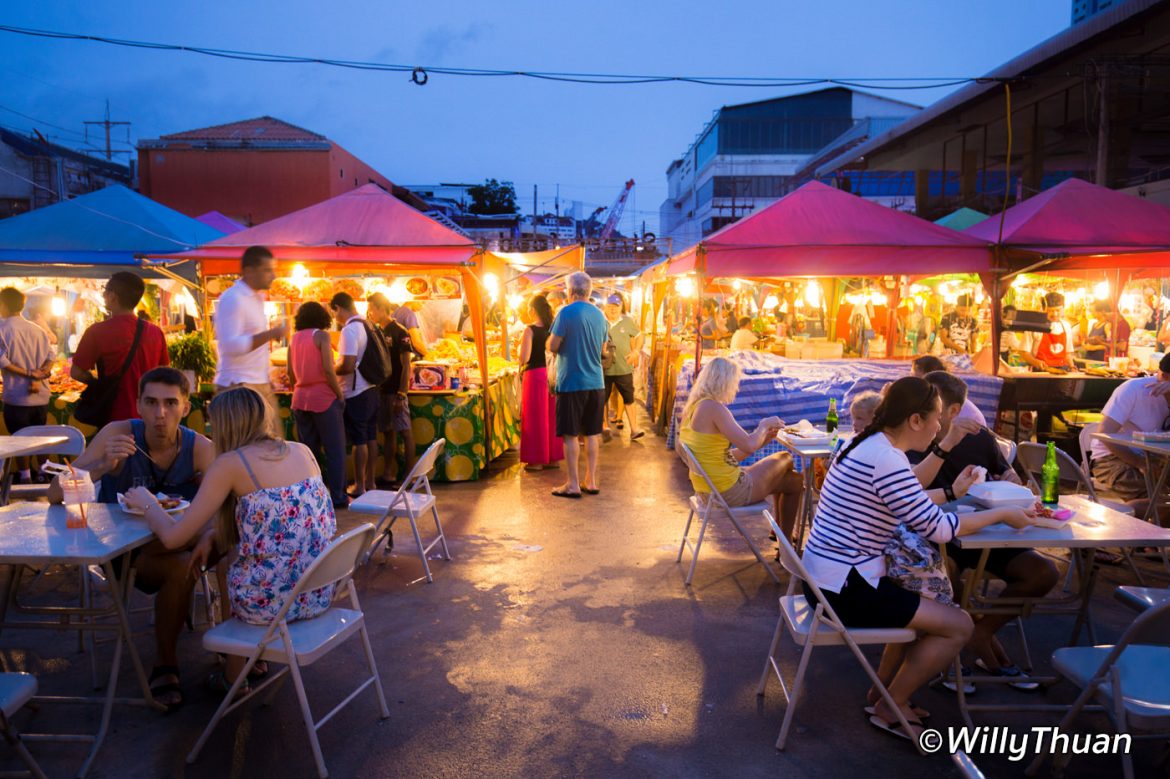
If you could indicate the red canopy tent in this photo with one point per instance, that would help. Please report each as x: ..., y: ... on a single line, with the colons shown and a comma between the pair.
x: 1078, y: 226
x: 1081, y: 226
x: 360, y: 231
x: 819, y: 230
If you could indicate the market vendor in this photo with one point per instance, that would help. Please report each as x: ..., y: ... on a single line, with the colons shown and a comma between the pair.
x: 957, y: 329
x: 408, y: 318
x: 712, y: 328
x: 1054, y: 349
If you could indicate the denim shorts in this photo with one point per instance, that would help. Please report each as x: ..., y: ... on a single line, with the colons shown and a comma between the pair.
x: 361, y: 417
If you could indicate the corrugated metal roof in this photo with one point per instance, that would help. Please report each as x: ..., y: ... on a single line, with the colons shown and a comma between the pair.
x: 1030, y: 60
x: 263, y: 128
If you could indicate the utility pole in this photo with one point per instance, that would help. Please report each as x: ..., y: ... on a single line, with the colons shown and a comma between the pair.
x: 1102, y: 175
x: 107, y: 124
x: 534, y: 217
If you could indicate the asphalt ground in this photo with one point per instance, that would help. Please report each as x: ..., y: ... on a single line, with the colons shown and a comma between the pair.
x: 559, y: 641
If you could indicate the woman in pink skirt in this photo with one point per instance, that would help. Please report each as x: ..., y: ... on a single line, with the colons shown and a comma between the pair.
x: 539, y: 445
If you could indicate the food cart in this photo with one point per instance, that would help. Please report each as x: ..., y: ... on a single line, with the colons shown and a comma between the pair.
x: 367, y: 240
x: 60, y: 256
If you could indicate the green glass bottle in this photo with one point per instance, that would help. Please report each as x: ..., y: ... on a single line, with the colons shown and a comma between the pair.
x: 1050, y: 478
x: 831, y: 417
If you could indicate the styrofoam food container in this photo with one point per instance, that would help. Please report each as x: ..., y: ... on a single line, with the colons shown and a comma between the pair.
x: 999, y: 494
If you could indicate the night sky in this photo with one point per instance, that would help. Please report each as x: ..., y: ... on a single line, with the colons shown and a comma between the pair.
x: 587, y: 139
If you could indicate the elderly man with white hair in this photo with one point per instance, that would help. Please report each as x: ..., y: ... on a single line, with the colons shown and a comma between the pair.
x: 577, y: 338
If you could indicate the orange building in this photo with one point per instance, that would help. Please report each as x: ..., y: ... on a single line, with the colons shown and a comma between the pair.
x: 252, y: 171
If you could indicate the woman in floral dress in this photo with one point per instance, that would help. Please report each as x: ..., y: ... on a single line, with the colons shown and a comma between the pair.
x: 264, y: 504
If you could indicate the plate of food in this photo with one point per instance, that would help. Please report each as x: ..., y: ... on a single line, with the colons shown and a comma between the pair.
x: 417, y: 286
x: 804, y: 432
x: 319, y: 290
x: 351, y: 287
x: 1053, y: 517
x: 170, y: 504
x: 446, y: 287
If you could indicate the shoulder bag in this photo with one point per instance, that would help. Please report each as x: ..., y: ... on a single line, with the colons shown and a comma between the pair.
x: 96, y: 404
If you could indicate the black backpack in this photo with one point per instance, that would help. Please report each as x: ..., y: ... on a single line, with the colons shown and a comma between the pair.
x: 374, y: 364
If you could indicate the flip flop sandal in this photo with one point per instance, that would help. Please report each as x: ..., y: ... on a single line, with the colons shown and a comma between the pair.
x: 566, y: 494
x: 588, y: 491
x: 166, y: 688
x: 920, y: 713
x: 637, y: 435
x: 894, y: 728
x: 217, y: 684
x: 259, y: 671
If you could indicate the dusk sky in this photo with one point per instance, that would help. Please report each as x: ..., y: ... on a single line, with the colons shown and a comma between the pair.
x: 588, y: 139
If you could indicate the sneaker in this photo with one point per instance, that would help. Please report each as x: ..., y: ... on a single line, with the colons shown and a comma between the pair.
x: 952, y: 684
x: 1024, y: 684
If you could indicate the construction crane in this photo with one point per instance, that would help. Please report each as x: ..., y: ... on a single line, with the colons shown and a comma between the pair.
x: 615, y: 211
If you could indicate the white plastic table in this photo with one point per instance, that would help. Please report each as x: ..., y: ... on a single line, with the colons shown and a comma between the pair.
x: 18, y: 446
x: 1152, y: 450
x: 34, y: 534
x: 809, y: 454
x: 21, y: 445
x: 1092, y: 526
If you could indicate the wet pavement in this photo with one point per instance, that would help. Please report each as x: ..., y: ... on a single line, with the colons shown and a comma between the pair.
x: 559, y: 641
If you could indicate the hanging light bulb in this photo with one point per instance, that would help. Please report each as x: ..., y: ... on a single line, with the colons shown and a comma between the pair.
x: 812, y: 294
x: 685, y: 287
x: 57, y: 306
x: 1101, y: 291
x: 491, y: 282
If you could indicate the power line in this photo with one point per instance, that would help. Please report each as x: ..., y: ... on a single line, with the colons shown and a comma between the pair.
x: 43, y: 122
x: 420, y: 74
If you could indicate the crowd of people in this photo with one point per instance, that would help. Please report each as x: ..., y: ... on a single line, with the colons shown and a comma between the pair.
x: 261, y: 509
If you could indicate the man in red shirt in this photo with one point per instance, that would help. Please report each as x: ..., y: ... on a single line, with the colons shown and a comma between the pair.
x: 105, y: 345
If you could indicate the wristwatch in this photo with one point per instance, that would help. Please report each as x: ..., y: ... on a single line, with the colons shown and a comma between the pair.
x: 938, y: 451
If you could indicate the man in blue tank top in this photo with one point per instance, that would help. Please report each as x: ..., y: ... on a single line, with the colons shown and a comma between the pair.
x: 160, y: 454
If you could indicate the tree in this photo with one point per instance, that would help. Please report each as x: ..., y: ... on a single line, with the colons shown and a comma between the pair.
x: 493, y: 197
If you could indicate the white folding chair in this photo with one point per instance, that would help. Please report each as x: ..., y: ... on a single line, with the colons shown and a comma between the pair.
x: 1007, y: 448
x: 1141, y: 598
x: 412, y: 500
x: 17, y: 689
x: 1128, y: 681
x: 71, y: 448
x: 711, y: 506
x: 303, y: 642
x: 819, y: 626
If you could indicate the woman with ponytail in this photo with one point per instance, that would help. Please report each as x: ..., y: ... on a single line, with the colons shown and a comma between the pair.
x: 719, y: 443
x: 868, y: 493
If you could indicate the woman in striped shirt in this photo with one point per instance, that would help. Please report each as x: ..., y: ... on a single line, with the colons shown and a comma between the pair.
x: 870, y: 490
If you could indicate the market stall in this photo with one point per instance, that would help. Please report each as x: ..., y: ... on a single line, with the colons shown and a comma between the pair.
x: 1092, y: 242
x: 823, y: 249
x: 367, y: 241
x: 60, y: 257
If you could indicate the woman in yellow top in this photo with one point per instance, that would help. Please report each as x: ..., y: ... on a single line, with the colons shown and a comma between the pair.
x: 719, y: 444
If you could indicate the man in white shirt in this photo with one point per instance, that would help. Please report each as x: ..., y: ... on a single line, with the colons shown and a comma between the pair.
x: 242, y: 332
x: 1138, y: 404
x: 743, y: 337
x: 361, y: 397
x: 928, y: 363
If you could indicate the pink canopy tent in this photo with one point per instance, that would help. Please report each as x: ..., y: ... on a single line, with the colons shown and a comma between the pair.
x: 366, y: 225
x: 361, y: 231
x: 1081, y: 226
x: 819, y: 230
x: 224, y: 224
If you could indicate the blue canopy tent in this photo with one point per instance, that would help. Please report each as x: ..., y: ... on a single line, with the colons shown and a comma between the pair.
x: 84, y: 237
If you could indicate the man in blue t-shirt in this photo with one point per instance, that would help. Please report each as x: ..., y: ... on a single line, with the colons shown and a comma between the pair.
x: 577, y: 338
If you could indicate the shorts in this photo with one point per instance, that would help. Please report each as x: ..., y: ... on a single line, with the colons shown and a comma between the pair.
x: 1111, y: 473
x: 20, y: 417
x: 625, y: 387
x: 361, y: 418
x: 740, y: 493
x: 861, y: 605
x: 580, y: 413
x: 998, y: 560
x: 391, y: 418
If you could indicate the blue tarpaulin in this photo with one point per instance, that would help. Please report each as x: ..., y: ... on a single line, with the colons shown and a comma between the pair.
x: 112, y: 226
